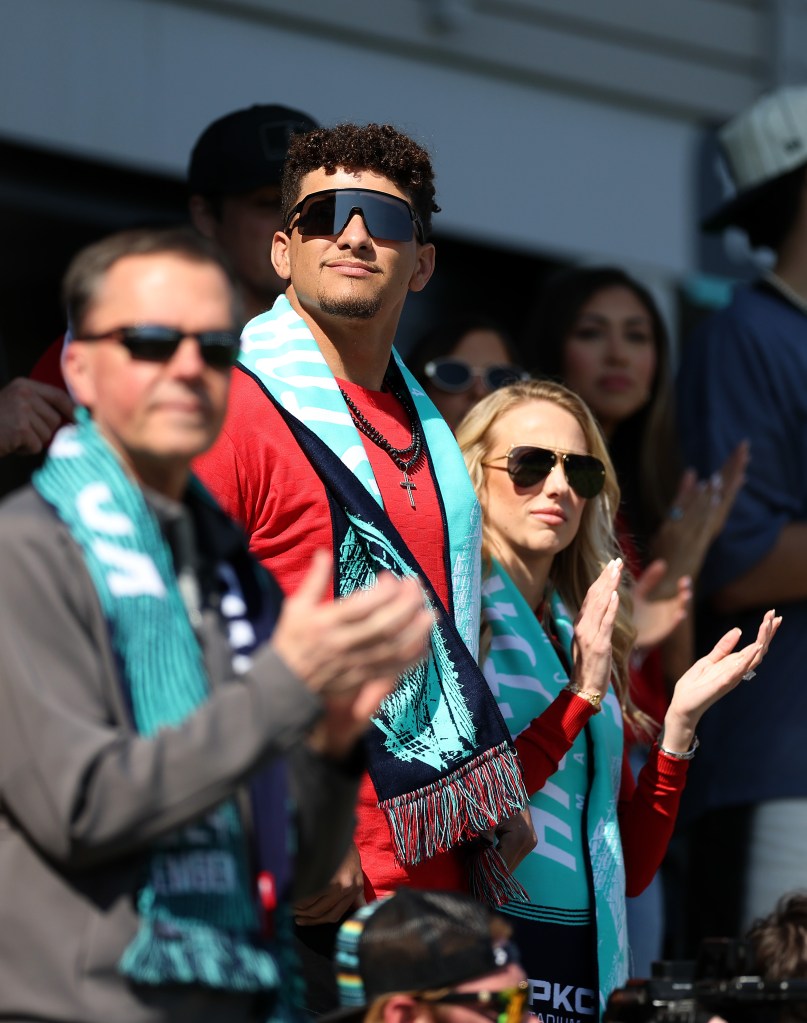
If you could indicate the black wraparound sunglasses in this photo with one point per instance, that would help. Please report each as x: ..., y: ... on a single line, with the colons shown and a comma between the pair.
x: 155, y: 343
x: 327, y: 212
x: 456, y: 375
x: 507, y: 1004
x: 528, y: 465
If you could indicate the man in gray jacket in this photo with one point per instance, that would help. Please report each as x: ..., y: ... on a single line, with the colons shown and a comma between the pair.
x: 153, y: 735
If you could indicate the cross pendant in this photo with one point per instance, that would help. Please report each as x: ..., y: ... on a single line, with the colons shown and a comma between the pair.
x: 410, y: 486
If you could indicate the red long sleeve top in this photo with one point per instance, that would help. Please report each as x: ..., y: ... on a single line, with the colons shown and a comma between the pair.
x: 647, y: 808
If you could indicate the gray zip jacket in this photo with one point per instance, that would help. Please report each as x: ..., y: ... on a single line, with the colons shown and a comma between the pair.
x: 82, y: 795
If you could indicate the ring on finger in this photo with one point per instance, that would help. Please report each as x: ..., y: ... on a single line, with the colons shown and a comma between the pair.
x: 676, y: 513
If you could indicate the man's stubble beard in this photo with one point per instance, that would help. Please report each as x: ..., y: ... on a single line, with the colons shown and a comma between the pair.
x: 351, y: 307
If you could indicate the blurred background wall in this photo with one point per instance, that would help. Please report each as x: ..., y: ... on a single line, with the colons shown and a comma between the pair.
x: 561, y: 130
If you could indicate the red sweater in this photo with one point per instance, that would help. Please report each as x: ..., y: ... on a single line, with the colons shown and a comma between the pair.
x: 647, y: 810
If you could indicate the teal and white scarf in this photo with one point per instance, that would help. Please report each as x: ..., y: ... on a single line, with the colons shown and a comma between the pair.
x: 204, y: 929
x: 439, y: 753
x: 525, y: 675
x: 278, y: 349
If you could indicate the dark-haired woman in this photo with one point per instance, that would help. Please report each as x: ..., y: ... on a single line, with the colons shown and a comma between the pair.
x: 599, y: 331
x: 461, y: 360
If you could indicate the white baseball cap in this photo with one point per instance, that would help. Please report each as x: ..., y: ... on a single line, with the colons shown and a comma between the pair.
x: 761, y: 144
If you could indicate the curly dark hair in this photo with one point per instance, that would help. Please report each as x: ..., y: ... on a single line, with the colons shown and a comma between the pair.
x: 375, y: 147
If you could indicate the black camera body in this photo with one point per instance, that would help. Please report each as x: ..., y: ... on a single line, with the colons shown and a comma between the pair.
x: 722, y: 982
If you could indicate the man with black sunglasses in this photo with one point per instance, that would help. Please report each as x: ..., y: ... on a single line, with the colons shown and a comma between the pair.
x: 163, y: 707
x: 428, y: 957
x: 329, y: 441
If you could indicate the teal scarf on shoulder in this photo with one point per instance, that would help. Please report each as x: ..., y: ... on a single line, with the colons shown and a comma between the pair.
x: 525, y: 674
x: 199, y: 922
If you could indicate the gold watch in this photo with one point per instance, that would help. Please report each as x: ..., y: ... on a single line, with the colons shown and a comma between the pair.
x: 595, y: 699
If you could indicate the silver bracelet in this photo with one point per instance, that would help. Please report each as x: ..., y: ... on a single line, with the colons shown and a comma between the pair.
x: 690, y: 753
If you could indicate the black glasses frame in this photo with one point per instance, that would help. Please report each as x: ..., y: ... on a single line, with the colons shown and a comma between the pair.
x: 369, y: 203
x: 155, y: 343
x: 494, y: 377
x: 528, y: 465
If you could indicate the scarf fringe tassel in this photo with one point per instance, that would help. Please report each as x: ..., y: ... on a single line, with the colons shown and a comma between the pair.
x: 191, y: 952
x: 491, y: 881
x: 457, y: 808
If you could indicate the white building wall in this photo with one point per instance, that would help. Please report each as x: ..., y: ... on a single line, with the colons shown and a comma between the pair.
x: 521, y: 161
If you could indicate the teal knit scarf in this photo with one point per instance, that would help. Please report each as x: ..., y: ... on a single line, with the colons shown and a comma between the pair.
x: 198, y: 919
x: 526, y: 674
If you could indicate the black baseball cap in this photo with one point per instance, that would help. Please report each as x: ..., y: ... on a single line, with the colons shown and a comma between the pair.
x: 245, y: 149
x: 414, y: 941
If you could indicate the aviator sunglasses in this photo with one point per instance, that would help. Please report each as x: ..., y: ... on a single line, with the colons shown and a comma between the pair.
x: 327, y: 212
x: 527, y: 466
x: 154, y: 343
x: 456, y: 375
x: 508, y: 1004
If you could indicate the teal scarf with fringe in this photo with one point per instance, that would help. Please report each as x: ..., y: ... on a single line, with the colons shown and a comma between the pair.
x: 439, y: 752
x: 199, y: 923
x: 577, y: 865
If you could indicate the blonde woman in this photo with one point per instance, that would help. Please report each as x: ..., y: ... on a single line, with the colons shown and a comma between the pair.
x: 556, y: 642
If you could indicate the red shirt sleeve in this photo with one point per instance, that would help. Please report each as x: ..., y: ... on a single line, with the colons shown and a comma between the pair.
x: 48, y: 367
x: 647, y: 813
x: 258, y: 474
x: 549, y: 737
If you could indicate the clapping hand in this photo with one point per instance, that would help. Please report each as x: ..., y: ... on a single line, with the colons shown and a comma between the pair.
x: 710, y: 678
x: 697, y: 516
x: 656, y: 618
x: 593, y: 631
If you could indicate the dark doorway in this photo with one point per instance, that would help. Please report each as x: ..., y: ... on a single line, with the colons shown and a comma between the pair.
x: 50, y: 206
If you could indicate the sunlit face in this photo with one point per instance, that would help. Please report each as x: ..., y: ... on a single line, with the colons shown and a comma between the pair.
x: 157, y: 415
x: 530, y: 525
x: 610, y: 356
x: 480, y: 349
x: 245, y: 227
x: 351, y: 276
